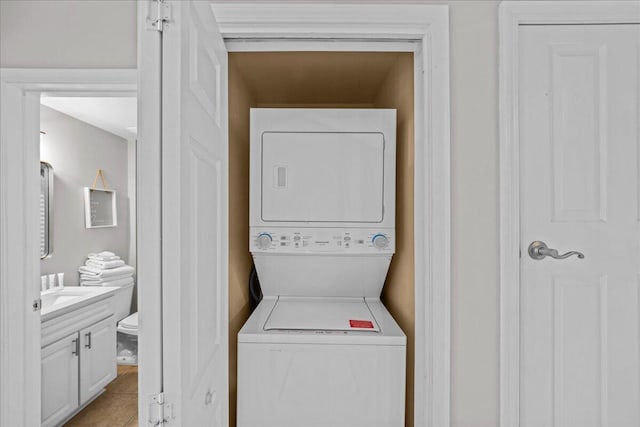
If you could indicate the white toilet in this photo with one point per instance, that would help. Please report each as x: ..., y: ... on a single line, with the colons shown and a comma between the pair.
x: 127, y: 326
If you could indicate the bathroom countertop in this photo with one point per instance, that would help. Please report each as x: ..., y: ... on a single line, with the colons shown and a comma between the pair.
x: 59, y: 301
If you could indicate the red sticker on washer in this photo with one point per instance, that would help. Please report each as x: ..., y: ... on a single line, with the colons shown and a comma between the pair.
x: 361, y: 324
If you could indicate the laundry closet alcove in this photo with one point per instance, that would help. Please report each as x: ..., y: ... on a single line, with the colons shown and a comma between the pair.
x: 321, y: 80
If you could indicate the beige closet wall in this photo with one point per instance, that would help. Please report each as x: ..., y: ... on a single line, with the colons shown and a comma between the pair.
x: 52, y: 33
x: 398, y: 294
x: 320, y: 80
x: 239, y: 257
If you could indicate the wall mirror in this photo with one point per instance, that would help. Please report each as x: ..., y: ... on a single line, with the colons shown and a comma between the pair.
x: 100, y: 208
x: 46, y: 210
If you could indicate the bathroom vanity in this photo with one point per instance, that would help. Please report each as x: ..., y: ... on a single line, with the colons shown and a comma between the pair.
x: 78, y: 356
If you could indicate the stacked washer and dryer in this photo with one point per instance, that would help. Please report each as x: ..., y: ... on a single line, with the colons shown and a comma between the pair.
x: 321, y: 349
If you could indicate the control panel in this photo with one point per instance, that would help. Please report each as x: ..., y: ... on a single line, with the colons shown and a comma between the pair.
x: 318, y: 240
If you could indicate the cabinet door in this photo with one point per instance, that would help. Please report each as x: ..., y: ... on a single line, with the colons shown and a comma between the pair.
x: 59, y: 379
x: 97, y: 357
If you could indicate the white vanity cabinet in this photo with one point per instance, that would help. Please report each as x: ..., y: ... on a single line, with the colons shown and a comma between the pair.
x: 59, y: 380
x: 97, y: 358
x: 78, y: 359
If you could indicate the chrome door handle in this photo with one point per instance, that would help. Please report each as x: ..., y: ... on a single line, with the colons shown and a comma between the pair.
x: 88, y: 337
x: 539, y: 250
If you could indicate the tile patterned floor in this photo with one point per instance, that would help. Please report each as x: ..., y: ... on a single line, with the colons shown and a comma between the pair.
x: 117, y: 407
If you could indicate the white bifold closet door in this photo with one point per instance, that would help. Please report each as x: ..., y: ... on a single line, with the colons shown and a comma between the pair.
x: 195, y: 216
x: 579, y: 161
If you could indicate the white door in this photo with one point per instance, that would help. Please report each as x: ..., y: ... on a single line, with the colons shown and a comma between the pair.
x: 97, y: 357
x: 194, y: 216
x: 59, y: 379
x: 579, y: 156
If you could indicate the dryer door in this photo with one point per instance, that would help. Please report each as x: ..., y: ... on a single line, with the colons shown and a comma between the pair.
x: 322, y: 177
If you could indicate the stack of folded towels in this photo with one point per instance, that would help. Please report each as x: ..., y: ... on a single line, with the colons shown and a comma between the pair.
x: 105, y: 269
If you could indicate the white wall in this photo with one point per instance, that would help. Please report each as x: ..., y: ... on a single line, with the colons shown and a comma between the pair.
x: 103, y: 34
x: 474, y: 222
x: 76, y: 150
x: 68, y: 34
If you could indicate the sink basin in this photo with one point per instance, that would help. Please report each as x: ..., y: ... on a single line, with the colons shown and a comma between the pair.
x: 56, y: 302
x: 50, y: 300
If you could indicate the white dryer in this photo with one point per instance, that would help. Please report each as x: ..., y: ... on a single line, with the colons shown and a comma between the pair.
x: 321, y: 349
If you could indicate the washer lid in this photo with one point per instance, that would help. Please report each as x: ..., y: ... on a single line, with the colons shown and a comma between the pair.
x: 321, y: 314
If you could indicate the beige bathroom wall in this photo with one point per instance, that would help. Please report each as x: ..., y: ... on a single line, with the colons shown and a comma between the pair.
x: 76, y: 150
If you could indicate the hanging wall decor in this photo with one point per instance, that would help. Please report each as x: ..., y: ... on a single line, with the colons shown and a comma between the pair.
x: 100, y: 205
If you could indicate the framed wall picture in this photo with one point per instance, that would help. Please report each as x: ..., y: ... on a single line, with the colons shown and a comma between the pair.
x: 100, y: 208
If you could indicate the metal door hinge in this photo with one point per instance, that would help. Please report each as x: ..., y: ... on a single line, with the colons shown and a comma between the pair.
x: 159, y: 14
x: 160, y: 411
x: 37, y: 304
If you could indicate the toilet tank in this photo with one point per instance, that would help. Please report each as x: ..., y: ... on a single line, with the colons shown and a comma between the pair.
x: 122, y: 298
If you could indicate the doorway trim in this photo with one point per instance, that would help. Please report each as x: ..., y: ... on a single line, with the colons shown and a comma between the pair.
x: 513, y: 14
x: 423, y: 29
x: 20, y: 91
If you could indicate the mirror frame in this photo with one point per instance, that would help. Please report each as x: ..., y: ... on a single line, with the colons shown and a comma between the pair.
x: 46, y: 171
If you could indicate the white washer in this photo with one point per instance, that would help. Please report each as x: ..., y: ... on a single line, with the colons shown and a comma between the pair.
x: 321, y: 349
x: 300, y: 364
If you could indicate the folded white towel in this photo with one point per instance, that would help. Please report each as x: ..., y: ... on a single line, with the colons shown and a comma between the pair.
x: 105, y: 265
x: 97, y: 280
x: 117, y: 283
x: 102, y: 254
x: 102, y: 258
x: 98, y: 273
x: 120, y: 282
x: 90, y: 277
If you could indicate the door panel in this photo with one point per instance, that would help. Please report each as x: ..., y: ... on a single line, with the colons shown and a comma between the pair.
x: 194, y: 132
x: 97, y: 358
x: 59, y: 380
x: 578, y: 121
x: 579, y: 158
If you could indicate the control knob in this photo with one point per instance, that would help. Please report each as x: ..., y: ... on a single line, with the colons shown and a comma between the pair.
x: 264, y: 241
x: 380, y: 241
